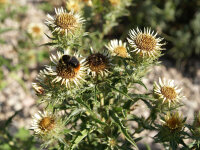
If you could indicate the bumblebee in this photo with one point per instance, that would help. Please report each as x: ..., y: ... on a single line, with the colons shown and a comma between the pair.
x: 69, y: 61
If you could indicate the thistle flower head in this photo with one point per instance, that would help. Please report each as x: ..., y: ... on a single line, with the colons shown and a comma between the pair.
x: 117, y: 48
x: 65, y: 22
x: 48, y: 126
x: 173, y: 121
x: 35, y: 29
x: 115, y: 2
x: 167, y: 91
x: 145, y: 43
x: 98, y: 63
x: 45, y: 123
x: 74, y: 5
x: 67, y: 69
x: 112, y: 142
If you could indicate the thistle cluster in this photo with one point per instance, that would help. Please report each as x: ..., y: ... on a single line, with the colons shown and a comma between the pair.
x: 87, y: 88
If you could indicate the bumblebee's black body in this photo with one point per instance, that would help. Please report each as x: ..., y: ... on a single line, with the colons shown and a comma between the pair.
x: 69, y: 61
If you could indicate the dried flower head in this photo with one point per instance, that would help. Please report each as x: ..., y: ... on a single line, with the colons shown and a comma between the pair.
x: 38, y: 89
x: 67, y: 69
x: 117, y: 48
x: 145, y: 43
x: 35, y: 29
x: 173, y: 121
x: 41, y: 77
x: 112, y: 142
x: 167, y: 91
x: 65, y: 22
x: 43, y: 80
x: 74, y: 5
x: 42, y: 83
x: 88, y: 2
x: 98, y: 63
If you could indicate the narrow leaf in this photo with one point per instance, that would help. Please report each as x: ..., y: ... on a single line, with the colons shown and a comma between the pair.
x: 50, y: 37
x: 122, y: 128
x: 92, y: 114
x: 133, y: 97
x: 120, y: 92
x: 79, y: 100
x: 143, y: 96
x: 11, y: 118
x: 140, y: 83
x: 74, y: 113
x: 79, y: 138
x: 48, y: 44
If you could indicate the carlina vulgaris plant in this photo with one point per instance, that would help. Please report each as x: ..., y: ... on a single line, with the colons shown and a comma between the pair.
x: 68, y: 72
x: 94, y: 91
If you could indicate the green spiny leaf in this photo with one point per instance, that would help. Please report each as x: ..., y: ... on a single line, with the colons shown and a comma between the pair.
x: 92, y: 114
x: 80, y: 136
x: 48, y: 44
x: 50, y: 37
x: 74, y: 113
x: 11, y: 118
x: 140, y: 83
x: 123, y: 129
